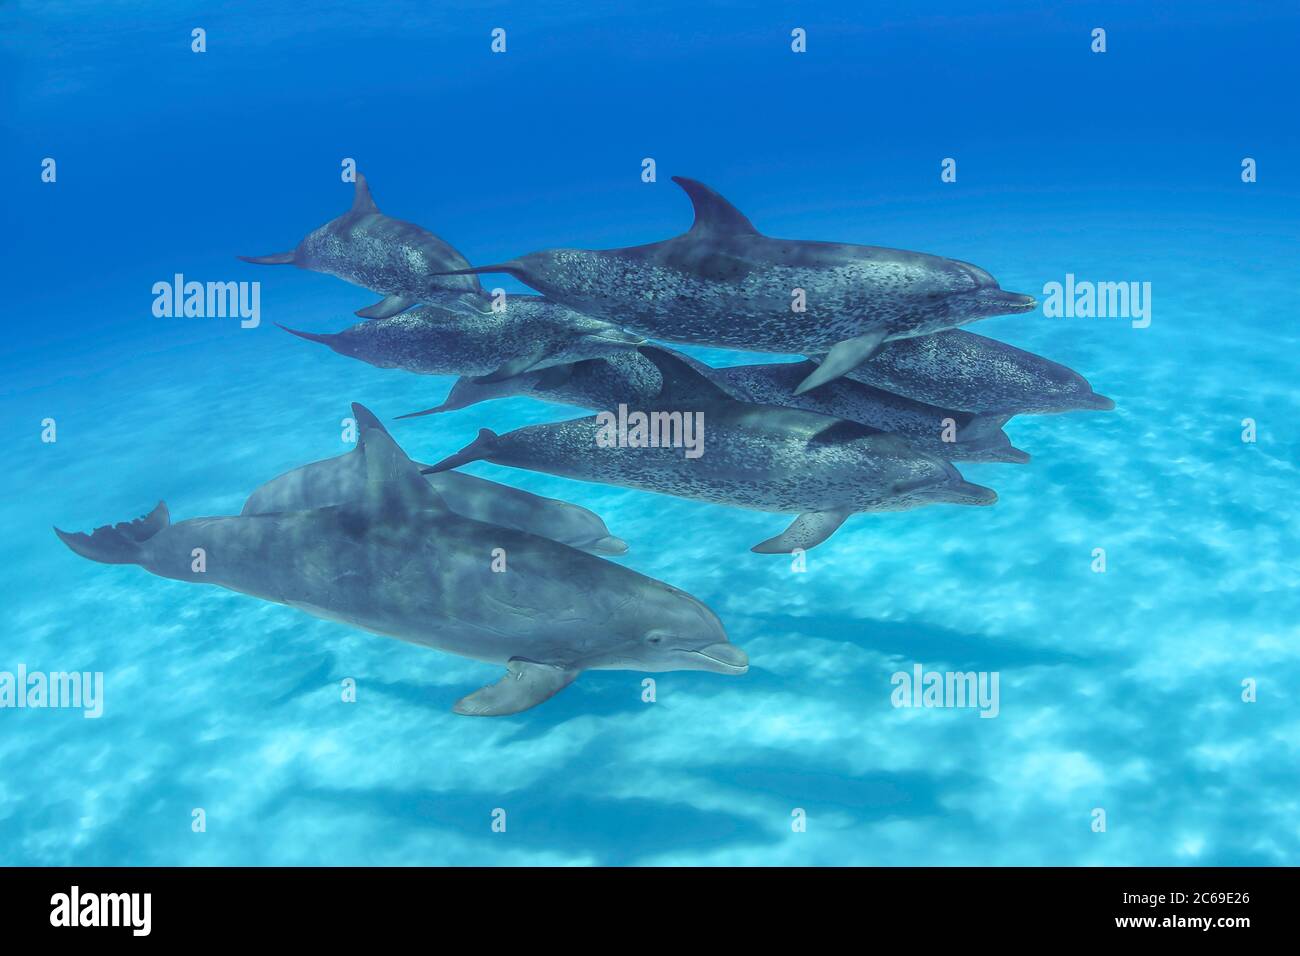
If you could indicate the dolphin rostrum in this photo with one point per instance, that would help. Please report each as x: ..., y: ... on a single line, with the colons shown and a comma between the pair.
x: 398, y: 562
x: 631, y: 378
x: 342, y: 479
x: 386, y: 255
x: 459, y: 338
x: 725, y: 284
x: 762, y: 457
x: 959, y: 369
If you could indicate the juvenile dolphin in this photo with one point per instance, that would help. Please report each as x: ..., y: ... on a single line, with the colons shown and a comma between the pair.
x: 386, y: 255
x: 754, y: 456
x: 459, y: 338
x: 725, y: 284
x: 631, y: 378
x: 959, y: 369
x: 400, y: 563
x: 342, y: 479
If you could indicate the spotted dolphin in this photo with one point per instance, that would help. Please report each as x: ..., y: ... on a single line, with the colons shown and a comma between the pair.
x: 725, y: 284
x: 631, y: 378
x: 466, y: 337
x: 762, y: 457
x: 385, y: 255
x: 342, y: 479
x: 398, y: 562
x: 959, y: 369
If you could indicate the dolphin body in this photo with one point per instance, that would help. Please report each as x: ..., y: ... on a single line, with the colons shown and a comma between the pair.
x: 725, y: 284
x: 386, y: 255
x: 761, y: 457
x: 633, y: 379
x: 959, y: 369
x: 342, y: 479
x: 459, y: 338
x: 398, y: 562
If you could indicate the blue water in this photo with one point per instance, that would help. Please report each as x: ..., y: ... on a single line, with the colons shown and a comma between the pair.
x: 1119, y: 690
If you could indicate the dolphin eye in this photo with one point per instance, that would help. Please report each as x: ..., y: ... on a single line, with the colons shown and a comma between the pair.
x: 655, y: 638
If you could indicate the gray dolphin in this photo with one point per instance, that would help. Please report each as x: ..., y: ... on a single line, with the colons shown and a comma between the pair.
x: 400, y: 563
x: 342, y: 479
x: 754, y: 456
x: 465, y: 337
x: 973, y: 437
x: 959, y: 369
x: 631, y: 378
x: 386, y: 255
x: 725, y: 284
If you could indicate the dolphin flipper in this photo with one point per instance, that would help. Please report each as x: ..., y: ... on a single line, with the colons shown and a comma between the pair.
x: 805, y: 532
x: 516, y: 366
x: 843, y: 357
x: 525, y: 685
x: 389, y: 305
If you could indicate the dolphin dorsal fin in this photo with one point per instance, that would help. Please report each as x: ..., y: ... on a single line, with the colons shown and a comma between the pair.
x: 362, y: 201
x: 681, y: 381
x: 713, y: 214
x: 389, y: 472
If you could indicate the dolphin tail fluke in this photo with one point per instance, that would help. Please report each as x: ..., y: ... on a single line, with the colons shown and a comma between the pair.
x: 481, y: 447
x: 805, y: 532
x: 843, y: 357
x: 118, y: 543
x: 274, y: 259
x: 526, y: 685
x: 386, y: 307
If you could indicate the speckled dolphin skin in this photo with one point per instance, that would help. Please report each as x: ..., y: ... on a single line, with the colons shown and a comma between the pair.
x: 400, y: 563
x: 972, y: 437
x: 395, y: 258
x: 632, y: 378
x: 724, y: 284
x: 960, y: 369
x: 466, y: 337
x: 342, y: 479
x: 761, y: 457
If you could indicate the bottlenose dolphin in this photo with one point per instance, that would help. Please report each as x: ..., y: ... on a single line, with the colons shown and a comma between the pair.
x: 960, y: 369
x: 386, y: 255
x: 754, y: 456
x: 631, y: 378
x: 400, y: 563
x: 459, y: 338
x: 342, y: 479
x: 725, y: 284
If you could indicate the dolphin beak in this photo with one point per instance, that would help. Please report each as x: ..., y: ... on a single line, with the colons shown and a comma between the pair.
x: 1100, y: 403
x: 1011, y: 303
x: 723, y: 658
x: 966, y: 493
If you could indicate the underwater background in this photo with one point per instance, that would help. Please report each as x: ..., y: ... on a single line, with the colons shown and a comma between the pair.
x: 1120, y: 690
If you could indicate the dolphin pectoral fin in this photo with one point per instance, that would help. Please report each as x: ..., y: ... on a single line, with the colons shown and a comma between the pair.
x: 982, y: 426
x: 389, y: 305
x: 805, y: 532
x: 274, y: 259
x: 843, y: 357
x: 553, y: 376
x: 525, y: 685
x: 480, y: 448
x: 516, y: 366
x: 682, y: 382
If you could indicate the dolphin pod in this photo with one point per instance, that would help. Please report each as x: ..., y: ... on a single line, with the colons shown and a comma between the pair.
x: 630, y: 378
x: 725, y: 284
x: 395, y: 560
x: 890, y: 392
x: 762, y: 457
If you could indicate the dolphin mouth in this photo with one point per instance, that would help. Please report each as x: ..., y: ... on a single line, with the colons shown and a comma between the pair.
x: 1007, y: 303
x: 723, y: 658
x: 968, y: 493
